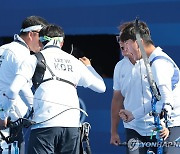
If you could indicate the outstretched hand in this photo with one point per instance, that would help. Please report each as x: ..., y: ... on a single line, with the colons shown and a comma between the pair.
x: 126, y: 115
x: 85, y: 61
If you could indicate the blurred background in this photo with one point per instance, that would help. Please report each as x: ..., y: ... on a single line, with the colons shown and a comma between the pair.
x: 90, y: 27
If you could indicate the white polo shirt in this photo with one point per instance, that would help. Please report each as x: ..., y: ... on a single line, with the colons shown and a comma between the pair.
x: 11, y: 57
x: 55, y: 98
x: 131, y: 80
x: 163, y: 71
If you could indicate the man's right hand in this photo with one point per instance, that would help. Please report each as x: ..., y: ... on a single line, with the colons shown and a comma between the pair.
x: 126, y: 115
x: 85, y: 61
x: 115, y: 139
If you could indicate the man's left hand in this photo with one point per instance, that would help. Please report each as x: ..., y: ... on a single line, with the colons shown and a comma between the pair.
x: 3, y: 124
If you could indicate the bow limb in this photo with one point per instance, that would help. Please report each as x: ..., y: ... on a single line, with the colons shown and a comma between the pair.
x: 147, y: 64
x: 154, y: 90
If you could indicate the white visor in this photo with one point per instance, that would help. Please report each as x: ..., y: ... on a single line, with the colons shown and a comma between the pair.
x: 31, y: 28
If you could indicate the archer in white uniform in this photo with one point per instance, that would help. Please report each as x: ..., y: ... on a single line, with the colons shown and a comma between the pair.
x: 56, y: 103
x: 166, y: 75
x: 130, y: 81
x: 127, y: 79
x: 11, y: 57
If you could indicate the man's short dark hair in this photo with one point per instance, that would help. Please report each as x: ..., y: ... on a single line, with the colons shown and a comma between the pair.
x: 33, y: 21
x: 127, y: 31
x: 52, y: 30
